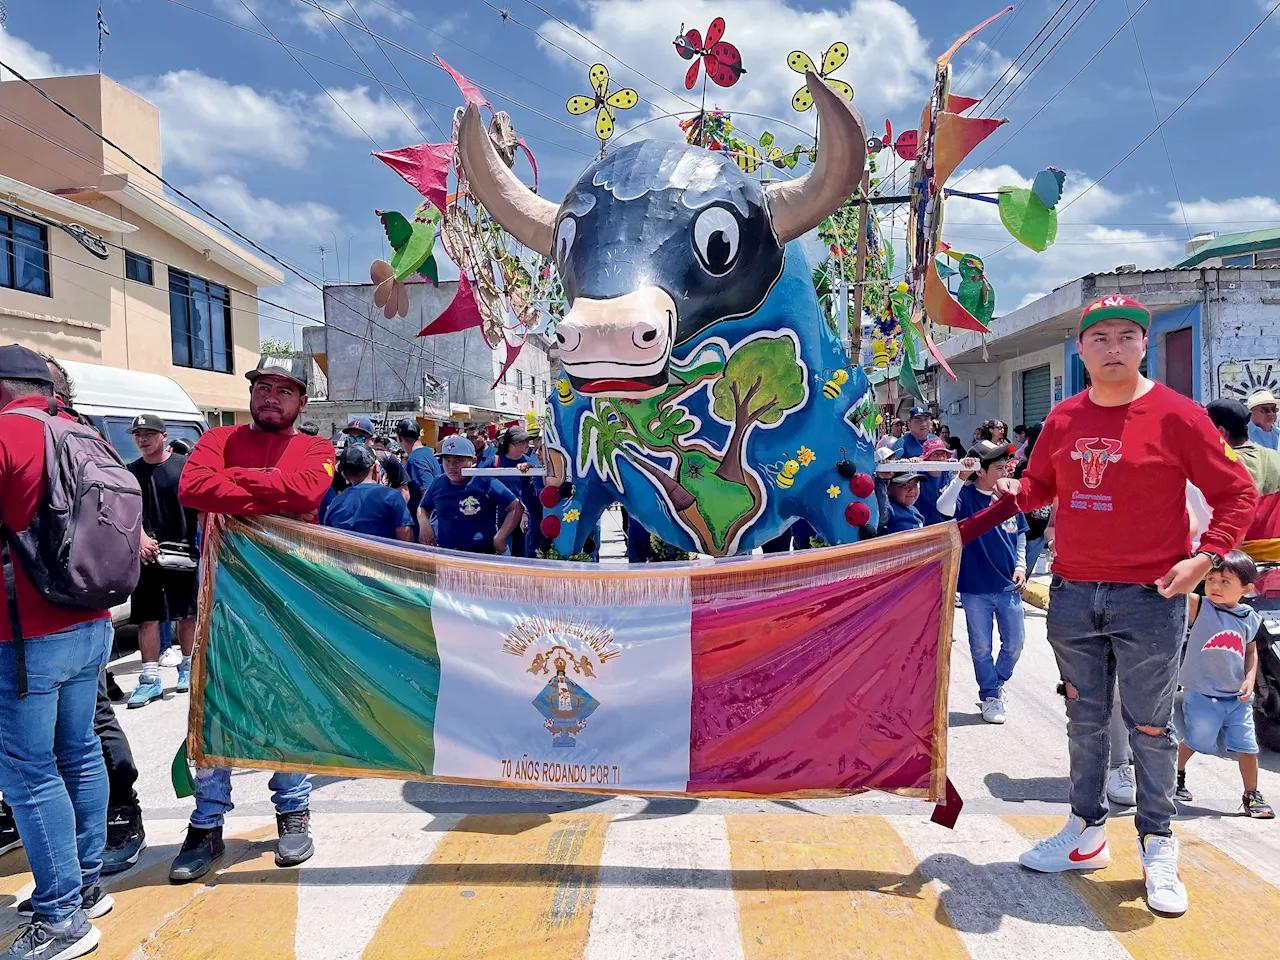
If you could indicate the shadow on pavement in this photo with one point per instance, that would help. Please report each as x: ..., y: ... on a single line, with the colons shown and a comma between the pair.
x: 964, y: 719
x: 1004, y: 787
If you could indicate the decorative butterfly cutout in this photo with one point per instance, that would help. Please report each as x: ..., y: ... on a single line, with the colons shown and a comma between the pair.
x: 602, y: 102
x: 832, y: 60
x: 722, y: 59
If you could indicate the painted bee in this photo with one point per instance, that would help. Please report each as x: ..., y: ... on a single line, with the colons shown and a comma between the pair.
x: 783, y: 475
x: 564, y: 393
x: 835, y: 380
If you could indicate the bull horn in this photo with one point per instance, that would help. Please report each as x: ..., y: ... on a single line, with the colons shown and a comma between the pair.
x: 521, y: 212
x: 797, y: 206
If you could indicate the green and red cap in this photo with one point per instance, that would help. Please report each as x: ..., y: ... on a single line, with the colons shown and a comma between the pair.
x: 1115, y: 306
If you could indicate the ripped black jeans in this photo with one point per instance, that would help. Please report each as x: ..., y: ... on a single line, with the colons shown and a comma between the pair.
x: 1099, y: 631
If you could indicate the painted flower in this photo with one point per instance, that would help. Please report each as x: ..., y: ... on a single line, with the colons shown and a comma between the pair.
x: 833, y: 491
x: 805, y: 456
x: 571, y: 515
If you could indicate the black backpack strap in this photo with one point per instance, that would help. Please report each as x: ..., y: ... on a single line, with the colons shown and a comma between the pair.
x: 15, y: 622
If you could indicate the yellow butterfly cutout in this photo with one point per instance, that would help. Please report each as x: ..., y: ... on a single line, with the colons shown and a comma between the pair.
x: 602, y: 102
x: 832, y: 60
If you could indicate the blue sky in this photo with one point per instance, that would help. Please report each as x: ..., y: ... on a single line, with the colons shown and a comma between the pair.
x: 266, y: 146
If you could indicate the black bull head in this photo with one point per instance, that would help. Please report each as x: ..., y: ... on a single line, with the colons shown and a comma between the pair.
x: 658, y: 241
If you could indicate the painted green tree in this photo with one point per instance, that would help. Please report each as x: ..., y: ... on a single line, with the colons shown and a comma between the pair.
x: 763, y: 382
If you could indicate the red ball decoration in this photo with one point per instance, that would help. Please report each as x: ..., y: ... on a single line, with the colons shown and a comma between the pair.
x: 550, y: 496
x: 856, y: 514
x: 863, y: 485
x: 551, y: 526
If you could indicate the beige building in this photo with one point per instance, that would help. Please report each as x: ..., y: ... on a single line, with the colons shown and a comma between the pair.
x: 173, y: 295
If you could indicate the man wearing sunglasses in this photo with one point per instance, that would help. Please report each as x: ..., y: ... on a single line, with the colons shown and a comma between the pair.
x: 1262, y: 419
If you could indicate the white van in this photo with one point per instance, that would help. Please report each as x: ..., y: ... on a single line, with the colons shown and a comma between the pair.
x: 111, y: 398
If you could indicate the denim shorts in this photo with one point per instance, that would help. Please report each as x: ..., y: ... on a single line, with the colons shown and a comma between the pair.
x: 1206, y: 717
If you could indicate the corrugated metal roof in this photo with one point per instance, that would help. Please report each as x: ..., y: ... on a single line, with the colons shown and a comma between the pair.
x: 1231, y: 244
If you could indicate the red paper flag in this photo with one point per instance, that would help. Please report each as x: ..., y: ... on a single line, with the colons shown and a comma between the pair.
x: 462, y: 312
x: 424, y: 167
x: 513, y: 351
x: 469, y: 91
x: 959, y: 104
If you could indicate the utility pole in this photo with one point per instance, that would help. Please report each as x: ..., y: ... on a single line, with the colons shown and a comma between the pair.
x: 860, y: 268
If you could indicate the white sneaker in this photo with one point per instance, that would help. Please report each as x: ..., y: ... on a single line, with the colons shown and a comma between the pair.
x: 1074, y: 847
x: 1165, y: 890
x: 993, y: 710
x: 1122, y: 786
x: 171, y: 657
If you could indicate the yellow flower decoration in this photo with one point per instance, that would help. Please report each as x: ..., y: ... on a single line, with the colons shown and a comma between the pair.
x: 833, y: 492
x: 571, y: 515
x: 806, y: 456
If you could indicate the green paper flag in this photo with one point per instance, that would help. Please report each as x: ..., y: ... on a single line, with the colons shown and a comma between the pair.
x: 184, y: 784
x: 907, y: 380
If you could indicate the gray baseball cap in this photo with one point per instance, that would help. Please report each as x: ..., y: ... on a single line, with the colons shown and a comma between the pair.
x: 291, y: 368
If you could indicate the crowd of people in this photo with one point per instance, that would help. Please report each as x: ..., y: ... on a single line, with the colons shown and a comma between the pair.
x: 1118, y: 483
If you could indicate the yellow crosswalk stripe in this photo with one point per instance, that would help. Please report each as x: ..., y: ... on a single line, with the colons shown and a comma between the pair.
x: 840, y: 886
x: 1233, y: 911
x: 499, y: 886
x: 15, y: 872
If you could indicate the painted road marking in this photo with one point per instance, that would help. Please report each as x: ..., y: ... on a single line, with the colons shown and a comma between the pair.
x: 520, y: 884
x: 840, y: 886
x: 665, y: 892
x: 1233, y: 910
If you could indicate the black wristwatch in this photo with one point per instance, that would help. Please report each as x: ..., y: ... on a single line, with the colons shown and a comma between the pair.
x: 1215, y: 558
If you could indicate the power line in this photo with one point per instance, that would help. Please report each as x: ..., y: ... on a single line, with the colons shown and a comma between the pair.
x: 1013, y: 64
x: 386, y: 56
x: 1010, y: 94
x: 987, y: 49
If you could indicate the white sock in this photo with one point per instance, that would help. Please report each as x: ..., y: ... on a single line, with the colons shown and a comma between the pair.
x: 150, y: 671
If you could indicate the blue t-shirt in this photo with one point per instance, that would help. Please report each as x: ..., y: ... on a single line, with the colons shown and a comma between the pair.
x: 469, y: 514
x: 326, y: 502
x: 1264, y: 438
x: 908, y: 446
x: 423, y: 468
x: 930, y: 490
x: 987, y: 563
x: 902, y: 518
x: 368, y: 508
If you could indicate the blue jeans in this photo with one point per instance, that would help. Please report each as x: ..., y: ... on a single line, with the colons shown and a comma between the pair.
x: 1034, y: 549
x: 980, y: 611
x: 51, y: 768
x: 290, y: 792
x: 1101, y: 631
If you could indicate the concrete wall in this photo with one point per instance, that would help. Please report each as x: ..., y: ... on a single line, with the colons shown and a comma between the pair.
x: 983, y: 391
x: 1243, y: 332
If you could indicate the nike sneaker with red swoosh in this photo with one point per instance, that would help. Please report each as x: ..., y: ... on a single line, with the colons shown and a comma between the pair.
x: 1074, y: 847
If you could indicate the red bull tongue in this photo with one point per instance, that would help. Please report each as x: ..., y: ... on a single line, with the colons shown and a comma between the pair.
x: 614, y: 386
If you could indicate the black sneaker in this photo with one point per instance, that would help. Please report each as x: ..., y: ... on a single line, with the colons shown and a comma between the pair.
x: 9, y: 839
x: 114, y: 693
x: 94, y: 901
x: 1257, y: 807
x: 125, y: 839
x: 199, y: 850
x: 294, y: 845
x: 41, y: 940
x: 1181, y: 792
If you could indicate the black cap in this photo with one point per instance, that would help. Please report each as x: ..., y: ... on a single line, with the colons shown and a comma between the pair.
x: 290, y: 368
x: 356, y: 458
x: 19, y: 363
x: 989, y: 452
x: 1229, y: 414
x: 408, y: 427
x: 148, y: 421
x: 517, y: 435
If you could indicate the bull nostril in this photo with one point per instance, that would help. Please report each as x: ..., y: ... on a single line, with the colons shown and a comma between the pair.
x: 649, y: 336
x: 560, y: 337
x: 644, y: 334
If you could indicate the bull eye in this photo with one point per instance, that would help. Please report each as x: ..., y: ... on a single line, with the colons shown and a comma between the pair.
x: 565, y: 234
x: 715, y: 240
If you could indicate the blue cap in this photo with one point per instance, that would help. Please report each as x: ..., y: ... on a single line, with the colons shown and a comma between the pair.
x: 360, y: 423
x: 919, y: 412
x: 456, y: 446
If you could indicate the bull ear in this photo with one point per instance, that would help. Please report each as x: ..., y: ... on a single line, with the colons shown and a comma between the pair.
x: 797, y: 206
x: 521, y: 212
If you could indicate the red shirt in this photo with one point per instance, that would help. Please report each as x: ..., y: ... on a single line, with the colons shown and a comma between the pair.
x: 22, y: 488
x: 1120, y: 476
x: 245, y: 471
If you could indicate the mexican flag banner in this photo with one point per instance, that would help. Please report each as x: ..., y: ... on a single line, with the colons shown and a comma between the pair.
x: 808, y: 674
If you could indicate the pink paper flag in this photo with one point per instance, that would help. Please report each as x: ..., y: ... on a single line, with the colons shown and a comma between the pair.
x: 424, y: 167
x: 469, y: 91
x: 513, y: 351
x: 461, y: 313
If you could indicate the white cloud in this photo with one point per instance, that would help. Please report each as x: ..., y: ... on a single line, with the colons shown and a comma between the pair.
x: 379, y: 117
x: 26, y: 59
x: 262, y: 218
x: 888, y: 64
x: 209, y: 125
x: 1227, y: 216
x: 304, y: 300
x: 1083, y: 246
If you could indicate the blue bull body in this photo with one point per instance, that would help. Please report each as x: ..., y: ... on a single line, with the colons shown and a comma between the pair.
x: 654, y: 455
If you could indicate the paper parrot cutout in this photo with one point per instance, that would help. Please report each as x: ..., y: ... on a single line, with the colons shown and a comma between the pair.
x: 974, y: 293
x: 721, y: 59
x: 413, y: 243
x: 1031, y: 216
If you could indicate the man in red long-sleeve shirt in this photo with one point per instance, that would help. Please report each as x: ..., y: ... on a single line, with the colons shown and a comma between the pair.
x: 266, y: 467
x: 1118, y: 458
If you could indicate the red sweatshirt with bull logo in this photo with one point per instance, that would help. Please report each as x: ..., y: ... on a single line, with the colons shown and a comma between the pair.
x: 1120, y: 477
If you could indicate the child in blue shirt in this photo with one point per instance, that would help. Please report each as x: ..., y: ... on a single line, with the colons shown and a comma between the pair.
x: 993, y: 571
x: 366, y: 506
x: 474, y: 514
x: 904, y: 491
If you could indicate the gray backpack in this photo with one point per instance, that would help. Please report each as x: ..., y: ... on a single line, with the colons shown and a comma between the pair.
x: 81, y: 547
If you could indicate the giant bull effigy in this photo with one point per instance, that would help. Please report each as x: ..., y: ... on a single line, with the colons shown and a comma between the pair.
x: 703, y: 388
